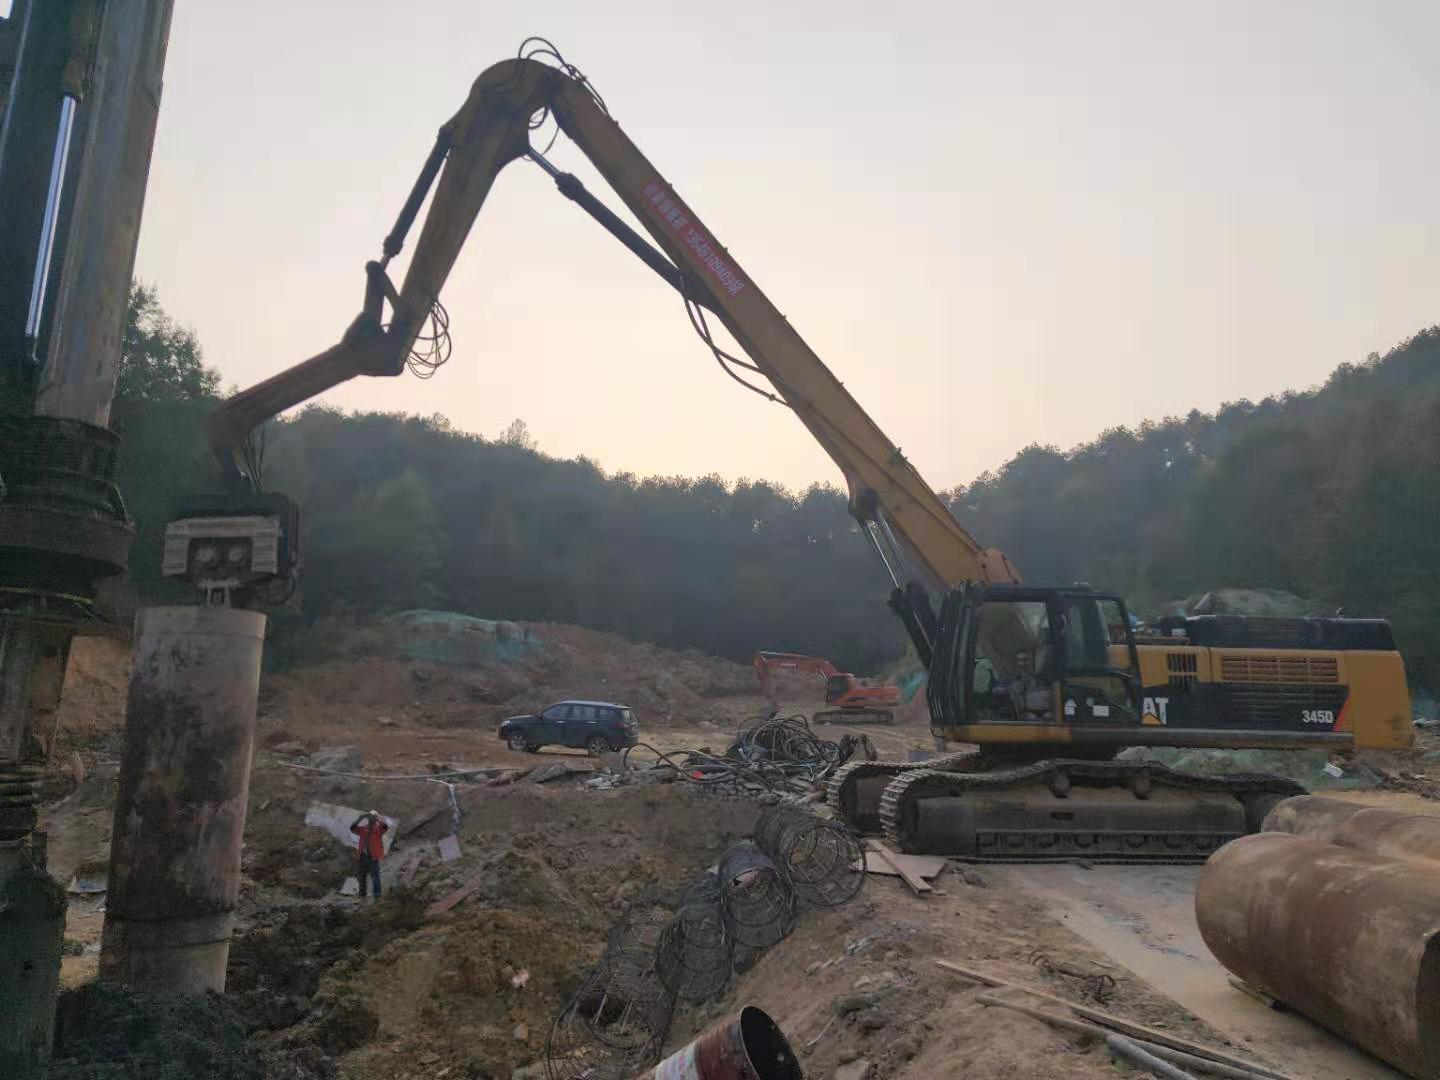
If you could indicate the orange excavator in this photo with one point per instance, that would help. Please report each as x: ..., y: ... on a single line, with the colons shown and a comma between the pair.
x: 850, y: 697
x: 1048, y: 680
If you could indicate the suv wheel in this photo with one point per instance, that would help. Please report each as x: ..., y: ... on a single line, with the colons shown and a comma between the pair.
x: 520, y: 744
x: 597, y: 745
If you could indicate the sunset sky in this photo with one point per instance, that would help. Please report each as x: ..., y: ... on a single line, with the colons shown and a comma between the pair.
x: 997, y: 223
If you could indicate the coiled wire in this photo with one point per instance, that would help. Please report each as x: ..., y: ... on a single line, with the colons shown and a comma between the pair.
x: 755, y: 898
x: 823, y: 860
x: 693, y: 957
x: 616, y: 1023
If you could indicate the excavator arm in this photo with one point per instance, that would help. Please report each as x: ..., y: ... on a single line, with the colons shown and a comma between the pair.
x: 766, y: 663
x: 903, y: 517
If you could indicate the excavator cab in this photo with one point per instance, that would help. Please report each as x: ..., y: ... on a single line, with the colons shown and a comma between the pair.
x: 837, y: 688
x: 1025, y: 661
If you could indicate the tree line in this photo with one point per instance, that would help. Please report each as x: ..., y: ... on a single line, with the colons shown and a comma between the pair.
x: 1327, y: 493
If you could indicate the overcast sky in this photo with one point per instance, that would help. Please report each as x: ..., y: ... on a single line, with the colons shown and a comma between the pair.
x: 998, y: 223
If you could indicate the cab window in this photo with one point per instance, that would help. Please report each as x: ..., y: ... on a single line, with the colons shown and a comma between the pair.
x: 1098, y: 674
x: 1014, y: 661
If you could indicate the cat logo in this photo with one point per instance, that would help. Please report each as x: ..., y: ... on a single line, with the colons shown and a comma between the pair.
x: 1154, y: 711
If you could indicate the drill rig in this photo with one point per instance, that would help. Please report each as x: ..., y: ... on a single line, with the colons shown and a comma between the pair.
x: 1049, y: 682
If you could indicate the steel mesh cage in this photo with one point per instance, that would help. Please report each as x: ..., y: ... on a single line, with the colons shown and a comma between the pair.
x: 755, y: 898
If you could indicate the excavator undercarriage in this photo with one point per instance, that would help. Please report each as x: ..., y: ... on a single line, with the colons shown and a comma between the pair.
x: 1053, y: 810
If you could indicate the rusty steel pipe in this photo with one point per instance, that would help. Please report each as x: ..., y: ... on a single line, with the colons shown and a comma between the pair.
x: 1313, y: 816
x: 749, y: 1046
x: 1349, y: 938
x: 180, y: 808
x: 1392, y: 833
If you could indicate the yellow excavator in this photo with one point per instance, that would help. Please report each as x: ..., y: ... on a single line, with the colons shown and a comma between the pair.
x: 1048, y: 682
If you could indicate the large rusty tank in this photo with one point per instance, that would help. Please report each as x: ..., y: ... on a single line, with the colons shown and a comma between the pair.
x: 1348, y: 937
x: 1394, y: 833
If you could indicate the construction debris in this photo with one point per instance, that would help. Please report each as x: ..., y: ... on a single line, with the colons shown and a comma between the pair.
x: 749, y: 1046
x: 902, y: 866
x: 778, y: 756
x: 1127, y: 1048
x: 337, y: 759
x: 545, y: 773
x: 89, y: 879
x: 1098, y: 985
x: 1115, y: 1023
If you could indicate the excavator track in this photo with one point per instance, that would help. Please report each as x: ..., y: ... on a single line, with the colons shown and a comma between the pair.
x: 1062, y: 810
x: 854, y: 716
x: 855, y: 797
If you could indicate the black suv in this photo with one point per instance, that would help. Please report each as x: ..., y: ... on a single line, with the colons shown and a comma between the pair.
x: 597, y: 726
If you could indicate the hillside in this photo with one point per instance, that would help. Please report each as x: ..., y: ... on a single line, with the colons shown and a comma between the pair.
x: 1324, y: 494
x: 439, y: 669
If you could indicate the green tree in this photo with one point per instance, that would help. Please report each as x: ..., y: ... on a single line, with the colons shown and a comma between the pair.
x: 383, y: 553
x: 162, y: 395
x: 518, y: 434
x: 160, y: 360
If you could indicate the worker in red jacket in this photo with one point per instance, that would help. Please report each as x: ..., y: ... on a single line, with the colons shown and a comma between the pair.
x: 371, y: 828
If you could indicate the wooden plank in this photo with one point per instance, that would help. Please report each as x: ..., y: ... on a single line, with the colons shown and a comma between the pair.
x: 1118, y: 1023
x: 1080, y: 1027
x: 446, y: 903
x: 917, y: 884
x: 923, y: 866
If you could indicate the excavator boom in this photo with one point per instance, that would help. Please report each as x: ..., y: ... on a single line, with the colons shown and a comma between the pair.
x: 903, y: 517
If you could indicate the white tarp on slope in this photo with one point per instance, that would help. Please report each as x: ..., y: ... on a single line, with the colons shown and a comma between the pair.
x: 336, y: 820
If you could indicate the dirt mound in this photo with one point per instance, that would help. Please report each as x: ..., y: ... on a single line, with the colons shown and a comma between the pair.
x: 108, y: 1033
x: 425, y: 673
x: 78, y: 827
x: 1315, y: 770
x: 92, y: 704
x: 549, y: 868
x: 1305, y: 767
x: 1271, y: 603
